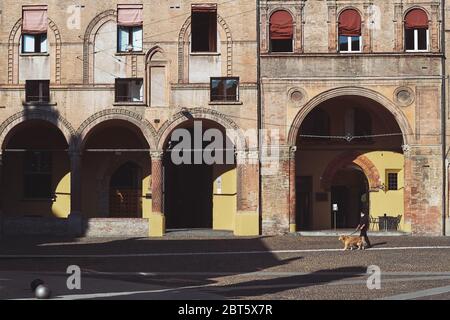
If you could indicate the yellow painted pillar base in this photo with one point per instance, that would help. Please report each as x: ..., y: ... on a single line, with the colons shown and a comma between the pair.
x: 292, y: 228
x: 246, y: 224
x: 406, y: 227
x: 157, y: 225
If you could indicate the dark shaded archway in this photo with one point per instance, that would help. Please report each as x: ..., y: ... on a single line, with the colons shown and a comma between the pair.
x: 116, y: 163
x: 343, y: 133
x: 35, y: 173
x: 191, y: 188
x: 350, y: 191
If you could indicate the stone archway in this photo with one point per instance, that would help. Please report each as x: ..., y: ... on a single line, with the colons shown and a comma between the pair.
x: 348, y: 158
x: 138, y: 120
x: 406, y: 130
x: 234, y: 132
x: 53, y: 117
x: 334, y: 155
x: 88, y: 42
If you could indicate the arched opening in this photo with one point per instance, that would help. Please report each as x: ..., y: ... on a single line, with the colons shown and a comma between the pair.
x: 116, y: 171
x: 125, y: 191
x: 347, y: 163
x: 281, y: 32
x: 199, y: 184
x: 36, y: 171
x: 349, y: 190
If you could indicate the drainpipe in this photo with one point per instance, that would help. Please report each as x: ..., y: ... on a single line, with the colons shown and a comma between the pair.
x: 443, y: 120
x: 259, y: 108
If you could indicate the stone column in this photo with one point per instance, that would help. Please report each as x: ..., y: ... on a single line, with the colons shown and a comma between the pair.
x: 1, y: 194
x: 264, y: 25
x: 75, y: 216
x: 247, y: 216
x: 398, y: 25
x: 367, y: 27
x: 292, y: 191
x: 157, y: 220
x: 434, y: 28
x: 298, y: 43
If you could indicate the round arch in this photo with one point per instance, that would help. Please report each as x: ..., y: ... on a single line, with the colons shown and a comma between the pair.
x: 88, y: 41
x: 52, y: 117
x: 137, y: 120
x: 351, y: 91
x: 13, y: 55
x: 345, y: 159
x: 233, y: 131
x: 350, y: 8
x: 413, y: 7
x: 183, y: 47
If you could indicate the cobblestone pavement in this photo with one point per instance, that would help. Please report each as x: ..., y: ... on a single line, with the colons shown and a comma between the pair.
x: 223, y: 267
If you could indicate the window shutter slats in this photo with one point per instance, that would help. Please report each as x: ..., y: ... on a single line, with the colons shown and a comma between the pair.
x: 129, y: 15
x: 281, y: 26
x: 416, y: 19
x: 34, y: 19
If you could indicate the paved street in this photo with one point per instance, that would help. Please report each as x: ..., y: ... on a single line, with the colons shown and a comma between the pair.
x: 200, y: 267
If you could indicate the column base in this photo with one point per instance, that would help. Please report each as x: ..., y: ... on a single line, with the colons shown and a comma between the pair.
x: 75, y: 222
x: 246, y: 224
x: 447, y: 227
x: 292, y: 228
x: 157, y: 225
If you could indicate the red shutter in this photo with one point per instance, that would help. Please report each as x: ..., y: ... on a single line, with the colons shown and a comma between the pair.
x: 416, y: 19
x: 281, y: 26
x: 350, y: 23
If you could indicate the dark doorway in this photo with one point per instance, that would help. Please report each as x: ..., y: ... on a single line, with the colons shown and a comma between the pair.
x: 125, y: 192
x: 188, y: 187
x: 349, y: 191
x: 188, y: 196
x: 304, y: 203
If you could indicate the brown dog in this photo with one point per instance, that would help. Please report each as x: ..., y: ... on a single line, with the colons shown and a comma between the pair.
x: 352, y: 242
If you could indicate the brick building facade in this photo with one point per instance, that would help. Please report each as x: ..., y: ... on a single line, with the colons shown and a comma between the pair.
x: 91, y: 92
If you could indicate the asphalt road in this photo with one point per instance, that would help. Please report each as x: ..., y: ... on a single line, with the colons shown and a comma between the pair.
x: 288, y: 267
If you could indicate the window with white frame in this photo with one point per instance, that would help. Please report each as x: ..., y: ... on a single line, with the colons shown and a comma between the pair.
x: 350, y: 39
x: 34, y: 43
x: 416, y: 31
x: 129, y: 28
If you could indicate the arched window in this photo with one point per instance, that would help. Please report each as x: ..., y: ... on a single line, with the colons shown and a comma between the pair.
x: 350, y: 31
x: 416, y: 30
x: 317, y: 123
x: 281, y: 32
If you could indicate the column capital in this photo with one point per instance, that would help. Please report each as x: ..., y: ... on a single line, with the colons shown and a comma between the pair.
x: 292, y: 152
x: 156, y: 155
